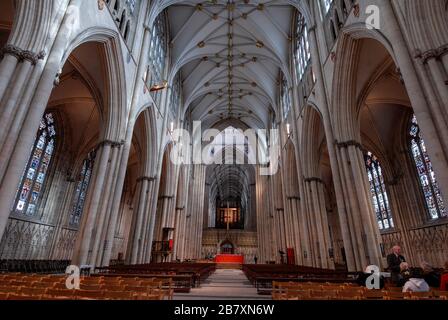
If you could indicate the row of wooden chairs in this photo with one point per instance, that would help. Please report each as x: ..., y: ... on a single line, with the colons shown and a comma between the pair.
x: 79, y: 295
x: 309, y: 291
x: 55, y: 287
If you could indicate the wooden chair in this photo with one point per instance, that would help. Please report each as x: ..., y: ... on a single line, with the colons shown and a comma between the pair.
x: 32, y: 291
x: 91, y: 280
x: 374, y: 294
x: 422, y: 295
x: 440, y: 294
x: 60, y: 286
x: 142, y: 296
x: 349, y: 295
x: 118, y: 295
x: 394, y: 295
x: 13, y: 296
x: 60, y: 294
x: 331, y: 293
x: 148, y: 281
x: 89, y: 294
x: 316, y: 295
x: 8, y: 289
x: 51, y: 280
x: 394, y: 289
x: 106, y: 287
x: 300, y: 294
x: 131, y: 282
x: 91, y: 287
x: 18, y: 283
x: 112, y: 282
x: 45, y: 285
x: 136, y: 289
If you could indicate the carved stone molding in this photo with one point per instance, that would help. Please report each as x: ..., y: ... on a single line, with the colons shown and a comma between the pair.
x: 431, y: 54
x: 22, y: 55
x: 349, y: 143
x: 145, y: 178
x: 111, y: 143
x: 166, y: 197
x: 315, y: 179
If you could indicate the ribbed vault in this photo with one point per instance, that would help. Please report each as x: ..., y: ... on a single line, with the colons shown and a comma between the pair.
x: 230, y: 55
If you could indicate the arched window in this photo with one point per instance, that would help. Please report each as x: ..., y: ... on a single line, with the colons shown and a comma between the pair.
x: 176, y: 96
x: 378, y: 192
x: 157, y: 53
x: 36, y: 171
x: 427, y: 177
x: 81, y: 189
x: 285, y: 102
x: 303, y: 53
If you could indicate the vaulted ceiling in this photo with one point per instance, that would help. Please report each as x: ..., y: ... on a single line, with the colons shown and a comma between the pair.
x: 230, y: 55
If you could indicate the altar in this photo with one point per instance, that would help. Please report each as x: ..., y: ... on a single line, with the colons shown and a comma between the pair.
x: 229, y: 258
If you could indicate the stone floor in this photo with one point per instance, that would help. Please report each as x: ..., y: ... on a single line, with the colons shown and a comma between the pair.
x: 224, y: 284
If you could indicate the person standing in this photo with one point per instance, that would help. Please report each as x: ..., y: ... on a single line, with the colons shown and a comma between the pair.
x: 393, y: 264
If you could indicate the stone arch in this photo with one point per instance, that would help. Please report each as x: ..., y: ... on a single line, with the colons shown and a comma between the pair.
x: 115, y: 98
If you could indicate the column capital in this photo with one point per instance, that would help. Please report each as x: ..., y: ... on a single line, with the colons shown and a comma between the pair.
x: 111, y: 143
x: 146, y: 178
x: 314, y: 179
x: 349, y: 143
x: 427, y: 55
x: 166, y: 197
x: 22, y: 55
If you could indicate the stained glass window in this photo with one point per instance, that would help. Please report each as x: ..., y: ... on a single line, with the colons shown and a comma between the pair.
x: 36, y: 170
x: 378, y: 192
x: 426, y: 175
x: 176, y: 96
x: 303, y: 53
x: 157, y: 54
x: 81, y: 189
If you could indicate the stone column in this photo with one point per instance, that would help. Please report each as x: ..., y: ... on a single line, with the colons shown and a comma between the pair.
x: 336, y: 168
x: 314, y: 188
x: 93, y: 219
x: 196, y: 212
x: 137, y: 220
x: 432, y: 115
x: 105, y: 209
x: 362, y: 221
x: 148, y: 227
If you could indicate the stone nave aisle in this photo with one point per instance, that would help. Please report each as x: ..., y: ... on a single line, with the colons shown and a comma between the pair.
x: 224, y: 284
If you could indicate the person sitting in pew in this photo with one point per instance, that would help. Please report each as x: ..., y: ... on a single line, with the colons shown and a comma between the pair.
x: 431, y: 276
x: 416, y: 283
